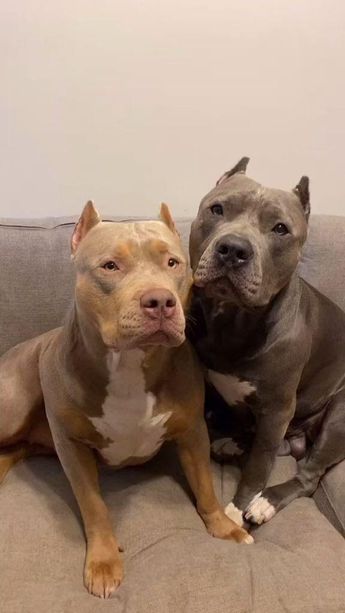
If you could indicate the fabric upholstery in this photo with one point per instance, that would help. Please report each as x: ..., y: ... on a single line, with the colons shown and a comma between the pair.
x: 333, y: 488
x: 172, y: 565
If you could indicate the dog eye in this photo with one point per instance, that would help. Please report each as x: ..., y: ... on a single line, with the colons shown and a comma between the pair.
x: 280, y: 229
x: 173, y: 263
x: 217, y: 209
x: 110, y: 266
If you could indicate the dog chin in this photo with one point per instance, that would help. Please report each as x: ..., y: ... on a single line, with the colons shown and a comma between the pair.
x: 163, y: 338
x: 144, y: 340
x: 227, y: 291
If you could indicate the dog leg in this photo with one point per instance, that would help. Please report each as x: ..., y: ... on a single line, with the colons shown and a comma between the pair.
x: 270, y: 432
x: 103, y: 570
x: 327, y: 450
x: 194, y: 454
x: 10, y: 456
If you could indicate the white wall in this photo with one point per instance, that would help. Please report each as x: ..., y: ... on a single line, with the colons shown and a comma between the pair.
x: 131, y: 102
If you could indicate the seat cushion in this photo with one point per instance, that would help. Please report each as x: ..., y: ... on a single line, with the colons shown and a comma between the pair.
x: 171, y: 563
x: 330, y: 496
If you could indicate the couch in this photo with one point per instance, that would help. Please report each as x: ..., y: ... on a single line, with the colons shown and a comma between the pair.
x: 172, y: 565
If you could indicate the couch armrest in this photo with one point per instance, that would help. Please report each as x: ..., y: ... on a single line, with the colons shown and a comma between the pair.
x: 330, y: 496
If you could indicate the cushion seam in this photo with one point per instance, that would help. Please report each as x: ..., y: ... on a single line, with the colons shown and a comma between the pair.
x: 324, y: 488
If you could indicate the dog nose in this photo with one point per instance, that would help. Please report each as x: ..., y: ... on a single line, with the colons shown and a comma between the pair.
x: 234, y: 251
x: 158, y: 303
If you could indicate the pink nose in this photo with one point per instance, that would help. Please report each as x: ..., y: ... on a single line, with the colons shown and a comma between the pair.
x: 157, y: 303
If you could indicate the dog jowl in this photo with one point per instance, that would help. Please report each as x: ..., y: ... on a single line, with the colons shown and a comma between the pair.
x: 272, y: 344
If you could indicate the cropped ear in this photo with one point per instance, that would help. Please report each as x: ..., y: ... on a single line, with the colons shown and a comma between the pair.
x: 165, y: 217
x: 88, y: 219
x: 241, y: 166
x: 302, y: 191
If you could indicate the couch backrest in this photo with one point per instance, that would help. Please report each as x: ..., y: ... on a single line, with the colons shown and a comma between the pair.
x: 36, y: 273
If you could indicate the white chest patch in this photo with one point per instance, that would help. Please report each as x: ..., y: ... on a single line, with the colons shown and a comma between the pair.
x: 128, y: 421
x: 231, y: 388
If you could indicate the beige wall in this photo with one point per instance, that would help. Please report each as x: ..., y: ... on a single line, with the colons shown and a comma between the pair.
x: 131, y: 102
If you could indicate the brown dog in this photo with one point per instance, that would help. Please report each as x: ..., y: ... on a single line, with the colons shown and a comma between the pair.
x: 116, y: 381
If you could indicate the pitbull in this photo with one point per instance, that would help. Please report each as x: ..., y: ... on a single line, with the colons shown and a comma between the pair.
x: 115, y: 382
x: 271, y: 343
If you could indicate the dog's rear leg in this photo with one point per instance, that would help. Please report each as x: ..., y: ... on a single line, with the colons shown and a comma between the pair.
x: 10, y: 456
x: 328, y: 449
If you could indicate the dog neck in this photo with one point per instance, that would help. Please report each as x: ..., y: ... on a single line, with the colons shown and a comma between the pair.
x: 244, y: 330
x: 84, y: 353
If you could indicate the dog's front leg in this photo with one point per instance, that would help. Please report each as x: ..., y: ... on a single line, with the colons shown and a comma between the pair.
x: 103, y: 570
x: 271, y: 428
x: 194, y: 454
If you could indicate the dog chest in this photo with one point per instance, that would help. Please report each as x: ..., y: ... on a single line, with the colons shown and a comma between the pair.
x: 231, y: 388
x: 128, y: 422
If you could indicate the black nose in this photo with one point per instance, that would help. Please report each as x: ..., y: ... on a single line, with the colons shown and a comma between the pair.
x: 234, y: 251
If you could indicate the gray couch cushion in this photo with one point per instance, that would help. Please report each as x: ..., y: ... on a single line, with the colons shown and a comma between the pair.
x: 172, y: 565
x: 323, y: 261
x: 330, y: 496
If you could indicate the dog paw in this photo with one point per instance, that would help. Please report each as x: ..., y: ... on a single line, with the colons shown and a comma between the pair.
x: 102, y: 578
x: 234, y: 513
x: 221, y: 526
x: 259, y: 510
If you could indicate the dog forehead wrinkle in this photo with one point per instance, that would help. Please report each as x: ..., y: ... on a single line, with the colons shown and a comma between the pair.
x: 146, y: 229
x: 236, y: 186
x: 105, y: 237
x: 157, y: 234
x: 129, y: 240
x: 260, y: 193
x: 238, y: 182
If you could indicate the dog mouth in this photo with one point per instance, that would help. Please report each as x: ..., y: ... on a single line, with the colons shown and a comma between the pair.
x: 235, y: 289
x: 223, y: 289
x: 160, y: 337
x: 161, y: 334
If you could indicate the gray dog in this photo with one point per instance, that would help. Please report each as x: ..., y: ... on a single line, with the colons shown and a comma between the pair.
x: 270, y: 341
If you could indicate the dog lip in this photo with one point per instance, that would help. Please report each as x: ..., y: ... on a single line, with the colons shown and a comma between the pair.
x: 213, y: 288
x: 112, y: 347
x: 156, y: 338
x: 158, y: 333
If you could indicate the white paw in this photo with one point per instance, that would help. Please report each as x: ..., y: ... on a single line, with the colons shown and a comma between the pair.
x: 236, y: 515
x: 259, y: 510
x: 226, y: 446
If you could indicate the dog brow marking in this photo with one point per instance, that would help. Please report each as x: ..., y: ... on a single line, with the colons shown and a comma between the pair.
x: 128, y: 422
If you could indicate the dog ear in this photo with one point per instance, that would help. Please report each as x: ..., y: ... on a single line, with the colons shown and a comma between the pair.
x: 241, y: 166
x: 302, y: 191
x: 88, y: 219
x: 165, y: 217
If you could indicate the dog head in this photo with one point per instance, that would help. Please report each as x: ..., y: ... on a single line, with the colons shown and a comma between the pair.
x: 133, y: 280
x: 246, y: 240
